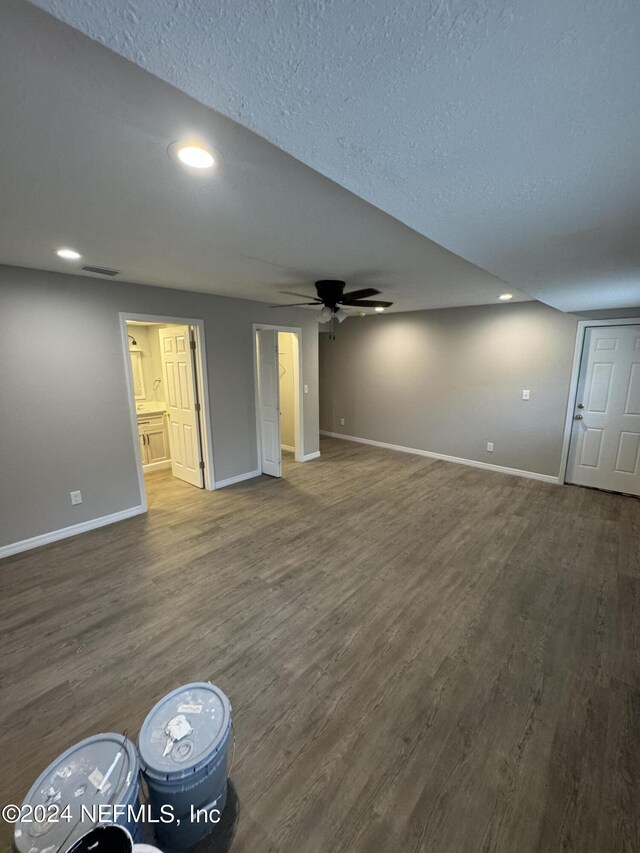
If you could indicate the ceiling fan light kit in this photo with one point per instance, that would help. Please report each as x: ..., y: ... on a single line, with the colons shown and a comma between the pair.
x: 333, y: 299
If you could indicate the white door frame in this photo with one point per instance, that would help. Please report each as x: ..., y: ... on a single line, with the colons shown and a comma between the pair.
x: 298, y: 414
x: 583, y: 325
x: 203, y: 393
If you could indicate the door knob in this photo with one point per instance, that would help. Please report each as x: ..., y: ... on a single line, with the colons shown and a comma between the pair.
x: 581, y: 405
x: 578, y: 417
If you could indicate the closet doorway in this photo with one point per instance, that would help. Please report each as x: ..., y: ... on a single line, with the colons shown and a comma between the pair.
x: 165, y: 366
x: 279, y: 392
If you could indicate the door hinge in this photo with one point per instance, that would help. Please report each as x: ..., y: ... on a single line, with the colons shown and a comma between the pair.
x: 197, y: 407
x: 192, y: 344
x: 201, y: 465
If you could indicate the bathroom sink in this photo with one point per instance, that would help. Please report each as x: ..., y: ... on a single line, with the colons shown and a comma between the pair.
x: 152, y: 407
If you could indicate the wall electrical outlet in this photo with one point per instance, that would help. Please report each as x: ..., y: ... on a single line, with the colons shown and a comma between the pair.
x: 341, y: 421
x: 490, y: 446
x: 306, y: 389
x: 526, y: 395
x: 76, y: 497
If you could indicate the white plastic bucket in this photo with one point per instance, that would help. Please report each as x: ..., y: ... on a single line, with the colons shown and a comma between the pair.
x: 110, y: 838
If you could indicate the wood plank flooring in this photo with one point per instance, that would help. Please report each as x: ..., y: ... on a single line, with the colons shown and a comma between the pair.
x: 421, y: 656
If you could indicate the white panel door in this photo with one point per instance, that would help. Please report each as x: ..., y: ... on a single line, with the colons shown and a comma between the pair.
x: 605, y: 438
x: 180, y: 394
x: 269, y: 401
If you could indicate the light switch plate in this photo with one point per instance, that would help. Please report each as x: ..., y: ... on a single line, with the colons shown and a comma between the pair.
x: 526, y: 395
x: 341, y: 421
x: 76, y: 498
x: 490, y: 446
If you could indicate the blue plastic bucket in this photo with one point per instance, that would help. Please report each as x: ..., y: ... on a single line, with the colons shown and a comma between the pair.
x: 188, y: 830
x: 184, y: 747
x: 94, y: 782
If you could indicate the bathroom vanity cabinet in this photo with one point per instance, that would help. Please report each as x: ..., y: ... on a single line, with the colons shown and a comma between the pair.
x: 154, y: 441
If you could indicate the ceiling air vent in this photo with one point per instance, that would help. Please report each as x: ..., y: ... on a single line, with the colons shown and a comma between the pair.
x: 101, y: 270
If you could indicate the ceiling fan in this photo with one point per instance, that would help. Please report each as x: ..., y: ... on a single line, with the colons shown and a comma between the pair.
x: 333, y: 299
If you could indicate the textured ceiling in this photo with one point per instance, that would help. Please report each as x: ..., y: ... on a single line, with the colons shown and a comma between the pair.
x: 506, y: 131
x: 84, y: 136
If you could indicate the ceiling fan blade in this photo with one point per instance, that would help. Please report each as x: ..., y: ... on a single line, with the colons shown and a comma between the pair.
x: 303, y: 295
x: 370, y: 303
x: 358, y: 294
x: 294, y: 305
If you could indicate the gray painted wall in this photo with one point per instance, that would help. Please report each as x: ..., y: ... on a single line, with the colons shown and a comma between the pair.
x: 65, y: 422
x: 449, y: 381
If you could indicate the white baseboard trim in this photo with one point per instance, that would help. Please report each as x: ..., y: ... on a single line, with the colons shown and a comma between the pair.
x: 156, y: 466
x: 309, y: 456
x: 220, y: 484
x: 287, y: 448
x: 65, y: 532
x: 487, y: 466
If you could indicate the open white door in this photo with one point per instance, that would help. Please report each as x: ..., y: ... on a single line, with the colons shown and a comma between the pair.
x: 180, y: 390
x: 605, y: 440
x: 269, y: 401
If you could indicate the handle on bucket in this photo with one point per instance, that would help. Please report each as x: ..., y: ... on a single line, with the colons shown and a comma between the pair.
x: 209, y: 806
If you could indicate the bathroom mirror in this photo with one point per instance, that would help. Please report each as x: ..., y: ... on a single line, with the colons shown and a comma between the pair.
x: 137, y: 373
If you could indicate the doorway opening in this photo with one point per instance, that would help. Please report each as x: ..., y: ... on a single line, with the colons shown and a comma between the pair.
x: 602, y: 435
x: 165, y: 366
x: 278, y: 372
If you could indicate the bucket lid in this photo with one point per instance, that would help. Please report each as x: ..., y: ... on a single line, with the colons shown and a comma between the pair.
x: 183, y: 731
x: 101, y: 769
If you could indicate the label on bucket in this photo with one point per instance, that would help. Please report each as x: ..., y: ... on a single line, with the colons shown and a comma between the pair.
x: 185, y: 708
x: 96, y: 778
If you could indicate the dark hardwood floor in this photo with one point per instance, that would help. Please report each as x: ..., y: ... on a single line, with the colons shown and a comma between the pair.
x: 421, y: 656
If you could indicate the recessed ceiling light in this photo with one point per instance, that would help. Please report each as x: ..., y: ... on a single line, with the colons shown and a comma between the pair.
x: 68, y: 254
x: 379, y: 309
x: 505, y: 296
x: 191, y: 154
